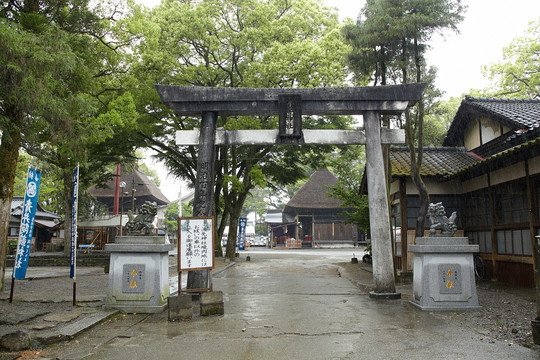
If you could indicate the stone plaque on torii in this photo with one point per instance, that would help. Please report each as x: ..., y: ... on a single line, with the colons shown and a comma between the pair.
x: 290, y: 105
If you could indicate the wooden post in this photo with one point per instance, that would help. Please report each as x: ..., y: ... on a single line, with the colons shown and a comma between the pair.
x: 404, y: 224
x: 536, y: 322
x: 493, y: 221
x: 383, y: 267
x: 204, y: 188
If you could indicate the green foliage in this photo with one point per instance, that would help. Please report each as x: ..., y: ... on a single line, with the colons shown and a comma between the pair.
x: 171, y: 215
x: 141, y: 165
x: 437, y: 122
x: 256, y: 202
x: 48, y: 190
x: 348, y: 166
x: 171, y: 218
x: 518, y: 74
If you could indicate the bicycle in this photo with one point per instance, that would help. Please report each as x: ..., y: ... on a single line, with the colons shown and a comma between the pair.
x: 479, y: 267
x: 367, y: 256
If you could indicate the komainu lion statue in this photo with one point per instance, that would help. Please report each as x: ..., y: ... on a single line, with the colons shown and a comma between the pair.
x: 439, y: 221
x: 143, y: 220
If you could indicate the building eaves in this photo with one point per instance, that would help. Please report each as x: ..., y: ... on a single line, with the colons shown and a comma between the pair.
x: 508, y: 157
x: 436, y: 162
x: 519, y: 115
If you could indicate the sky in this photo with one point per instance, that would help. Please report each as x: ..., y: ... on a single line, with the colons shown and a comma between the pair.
x: 488, y: 27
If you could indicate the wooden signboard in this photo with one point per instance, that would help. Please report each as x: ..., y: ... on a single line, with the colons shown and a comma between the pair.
x: 195, y: 246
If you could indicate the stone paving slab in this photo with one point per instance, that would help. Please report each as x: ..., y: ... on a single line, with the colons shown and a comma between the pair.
x: 10, y: 315
x: 73, y: 328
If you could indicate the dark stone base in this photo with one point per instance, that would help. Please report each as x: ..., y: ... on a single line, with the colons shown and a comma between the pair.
x: 384, y: 296
x: 354, y: 260
x: 180, y: 308
x: 212, y: 309
x: 536, y: 331
x: 212, y: 303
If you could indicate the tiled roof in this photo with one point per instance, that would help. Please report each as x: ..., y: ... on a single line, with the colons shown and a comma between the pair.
x: 17, y: 208
x: 520, y: 115
x: 437, y: 161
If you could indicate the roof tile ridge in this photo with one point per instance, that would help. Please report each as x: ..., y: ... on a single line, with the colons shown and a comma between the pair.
x: 475, y: 155
x: 470, y: 98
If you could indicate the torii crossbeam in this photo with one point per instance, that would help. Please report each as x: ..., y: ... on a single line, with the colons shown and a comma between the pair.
x: 290, y: 105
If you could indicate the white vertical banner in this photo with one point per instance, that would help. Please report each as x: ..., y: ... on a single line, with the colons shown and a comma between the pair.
x: 74, y: 210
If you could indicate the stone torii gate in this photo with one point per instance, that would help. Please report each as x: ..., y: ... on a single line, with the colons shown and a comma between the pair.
x: 290, y: 105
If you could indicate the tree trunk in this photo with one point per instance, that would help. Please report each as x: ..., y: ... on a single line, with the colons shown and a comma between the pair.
x: 9, y: 153
x: 235, y: 212
x: 415, y: 170
x: 233, y: 234
x: 220, y: 228
x: 424, y: 202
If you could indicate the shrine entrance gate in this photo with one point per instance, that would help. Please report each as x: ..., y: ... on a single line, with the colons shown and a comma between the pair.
x: 290, y: 104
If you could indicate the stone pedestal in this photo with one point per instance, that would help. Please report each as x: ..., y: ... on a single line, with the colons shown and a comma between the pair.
x: 443, y: 275
x: 138, y: 274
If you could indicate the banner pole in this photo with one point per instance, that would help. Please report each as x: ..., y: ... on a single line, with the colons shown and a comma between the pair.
x: 74, y: 210
x: 11, y: 291
x: 74, y: 292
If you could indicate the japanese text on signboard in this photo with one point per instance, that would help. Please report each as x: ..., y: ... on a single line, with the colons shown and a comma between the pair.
x: 196, y: 243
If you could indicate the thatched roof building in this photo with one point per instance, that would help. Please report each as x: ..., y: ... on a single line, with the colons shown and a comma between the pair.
x: 315, y: 195
x: 316, y: 215
x: 137, y: 191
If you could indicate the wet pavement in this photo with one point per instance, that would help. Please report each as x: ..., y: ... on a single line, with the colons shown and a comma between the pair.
x: 300, y: 304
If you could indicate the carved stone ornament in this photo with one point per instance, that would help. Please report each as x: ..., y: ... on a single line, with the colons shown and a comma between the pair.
x: 142, y: 223
x: 439, y: 221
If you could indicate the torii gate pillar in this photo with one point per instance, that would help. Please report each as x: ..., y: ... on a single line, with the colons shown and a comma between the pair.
x: 381, y: 244
x: 204, y: 189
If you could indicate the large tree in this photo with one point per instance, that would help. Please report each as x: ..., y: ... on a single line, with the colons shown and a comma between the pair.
x: 61, y: 97
x: 237, y: 43
x: 518, y: 74
x: 389, y: 43
x: 38, y: 70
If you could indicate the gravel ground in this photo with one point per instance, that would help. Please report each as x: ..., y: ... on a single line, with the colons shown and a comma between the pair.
x: 506, y: 314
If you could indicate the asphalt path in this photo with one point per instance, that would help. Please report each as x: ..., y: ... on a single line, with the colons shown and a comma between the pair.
x: 295, y: 304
